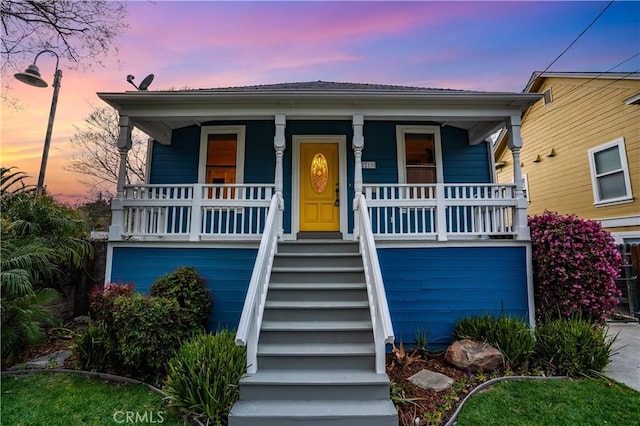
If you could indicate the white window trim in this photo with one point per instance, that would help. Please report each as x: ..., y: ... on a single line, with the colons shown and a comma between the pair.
x: 205, y: 131
x: 619, y: 143
x: 402, y: 130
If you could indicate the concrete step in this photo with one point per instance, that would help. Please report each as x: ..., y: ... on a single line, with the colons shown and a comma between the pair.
x: 317, y: 259
x: 318, y: 285
x: 309, y: 292
x: 317, y: 275
x: 316, y: 304
x: 316, y: 356
x: 308, y: 385
x: 340, y: 332
x: 317, y: 413
x: 286, y: 311
x: 318, y: 246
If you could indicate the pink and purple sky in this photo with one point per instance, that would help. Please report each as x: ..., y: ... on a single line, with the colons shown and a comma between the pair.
x: 487, y: 46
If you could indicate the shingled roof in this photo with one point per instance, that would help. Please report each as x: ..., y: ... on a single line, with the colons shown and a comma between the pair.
x: 330, y: 86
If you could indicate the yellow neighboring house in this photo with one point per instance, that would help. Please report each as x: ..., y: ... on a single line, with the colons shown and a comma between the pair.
x: 581, y: 149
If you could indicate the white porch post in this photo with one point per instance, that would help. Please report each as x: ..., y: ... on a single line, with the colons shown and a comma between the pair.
x: 515, y: 145
x: 357, y: 145
x: 117, y: 211
x: 279, y: 144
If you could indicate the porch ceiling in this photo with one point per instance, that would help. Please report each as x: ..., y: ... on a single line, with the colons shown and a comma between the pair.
x: 159, y: 113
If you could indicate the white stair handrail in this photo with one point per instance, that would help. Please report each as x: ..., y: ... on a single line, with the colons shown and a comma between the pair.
x: 380, y: 316
x: 251, y: 318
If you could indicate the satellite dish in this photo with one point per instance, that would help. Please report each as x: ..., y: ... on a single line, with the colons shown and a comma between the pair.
x: 146, y: 82
x: 143, y: 85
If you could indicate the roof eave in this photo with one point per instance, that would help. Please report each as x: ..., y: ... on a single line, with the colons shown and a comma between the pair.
x: 120, y: 99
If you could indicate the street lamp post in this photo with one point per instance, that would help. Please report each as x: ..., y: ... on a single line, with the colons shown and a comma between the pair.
x: 31, y: 76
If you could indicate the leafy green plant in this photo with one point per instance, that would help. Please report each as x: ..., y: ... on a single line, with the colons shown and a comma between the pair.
x: 13, y: 182
x: 573, y: 346
x: 23, y: 320
x: 422, y: 339
x: 101, y: 299
x: 145, y: 333
x: 39, y: 237
x: 93, y: 348
x: 512, y: 336
x: 188, y: 288
x: 398, y: 395
x: 203, y: 377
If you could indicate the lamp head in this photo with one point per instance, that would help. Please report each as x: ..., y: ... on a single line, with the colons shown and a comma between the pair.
x: 31, y: 76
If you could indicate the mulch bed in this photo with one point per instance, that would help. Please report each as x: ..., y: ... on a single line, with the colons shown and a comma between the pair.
x: 433, y: 408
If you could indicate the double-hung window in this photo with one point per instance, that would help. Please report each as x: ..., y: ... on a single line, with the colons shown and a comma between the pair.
x: 221, y: 155
x: 419, y: 155
x: 610, y: 173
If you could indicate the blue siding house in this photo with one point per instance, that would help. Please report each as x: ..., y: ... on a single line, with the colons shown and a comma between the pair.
x: 289, y: 197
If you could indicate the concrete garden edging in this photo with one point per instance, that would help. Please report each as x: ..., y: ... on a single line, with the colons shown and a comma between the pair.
x: 489, y: 383
x: 104, y: 376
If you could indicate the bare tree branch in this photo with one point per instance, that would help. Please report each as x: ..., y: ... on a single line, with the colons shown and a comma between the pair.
x: 96, y: 154
x: 76, y: 30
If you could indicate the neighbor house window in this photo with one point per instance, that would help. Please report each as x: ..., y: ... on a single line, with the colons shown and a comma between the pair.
x: 610, y: 173
x: 419, y: 158
x: 221, y: 155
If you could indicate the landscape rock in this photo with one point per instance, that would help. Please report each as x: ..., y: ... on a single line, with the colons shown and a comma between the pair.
x: 53, y: 360
x: 82, y: 319
x: 427, y: 379
x: 477, y: 356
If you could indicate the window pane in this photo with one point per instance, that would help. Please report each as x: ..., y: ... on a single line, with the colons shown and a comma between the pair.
x: 612, y: 186
x: 421, y: 175
x: 420, y: 158
x: 419, y: 149
x: 607, y: 160
x: 221, y: 158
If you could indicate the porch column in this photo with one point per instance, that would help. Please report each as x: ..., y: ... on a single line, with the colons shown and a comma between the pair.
x: 117, y: 211
x: 515, y: 145
x: 357, y: 145
x: 279, y: 144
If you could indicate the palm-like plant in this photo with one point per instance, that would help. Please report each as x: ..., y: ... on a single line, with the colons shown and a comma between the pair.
x: 38, y: 236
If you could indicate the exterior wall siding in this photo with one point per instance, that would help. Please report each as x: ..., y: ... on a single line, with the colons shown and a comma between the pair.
x: 178, y: 162
x: 426, y: 287
x: 462, y: 163
x: 584, y: 114
x: 431, y: 288
x: 226, y: 270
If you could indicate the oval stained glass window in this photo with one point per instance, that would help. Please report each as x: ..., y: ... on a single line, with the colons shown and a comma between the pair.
x: 319, y: 173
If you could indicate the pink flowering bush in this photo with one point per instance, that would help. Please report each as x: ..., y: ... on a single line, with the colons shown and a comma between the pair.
x: 575, y: 264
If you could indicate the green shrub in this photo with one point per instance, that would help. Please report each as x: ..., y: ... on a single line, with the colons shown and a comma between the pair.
x: 93, y: 349
x: 101, y: 299
x: 573, y: 346
x: 188, y: 288
x: 512, y: 336
x: 145, y: 333
x: 203, y: 377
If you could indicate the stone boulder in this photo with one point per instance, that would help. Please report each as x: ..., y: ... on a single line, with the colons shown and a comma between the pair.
x: 477, y: 356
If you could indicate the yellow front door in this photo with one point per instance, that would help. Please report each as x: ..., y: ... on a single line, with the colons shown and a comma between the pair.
x: 319, y: 185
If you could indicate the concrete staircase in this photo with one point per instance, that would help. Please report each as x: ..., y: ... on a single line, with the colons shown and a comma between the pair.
x: 316, y: 356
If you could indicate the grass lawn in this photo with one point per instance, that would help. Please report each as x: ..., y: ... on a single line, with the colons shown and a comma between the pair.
x: 71, y: 399
x: 553, y: 402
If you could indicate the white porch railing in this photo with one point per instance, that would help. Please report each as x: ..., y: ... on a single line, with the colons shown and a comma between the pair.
x: 380, y: 316
x: 251, y: 318
x: 195, y: 211
x: 441, y: 211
